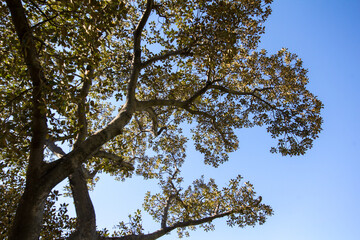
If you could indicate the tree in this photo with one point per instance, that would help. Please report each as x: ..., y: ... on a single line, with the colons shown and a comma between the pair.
x: 95, y: 87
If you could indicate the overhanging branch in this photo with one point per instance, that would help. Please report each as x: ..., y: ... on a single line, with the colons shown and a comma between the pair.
x: 241, y: 93
x: 164, y: 57
x: 116, y: 159
x: 163, y: 231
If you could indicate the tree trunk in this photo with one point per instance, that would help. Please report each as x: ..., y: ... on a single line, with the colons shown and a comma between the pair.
x: 86, y: 220
x: 29, y: 215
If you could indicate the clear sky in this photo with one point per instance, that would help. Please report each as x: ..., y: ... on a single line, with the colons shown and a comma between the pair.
x: 315, y: 196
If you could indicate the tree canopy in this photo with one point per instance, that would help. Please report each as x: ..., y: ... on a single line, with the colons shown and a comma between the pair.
x: 92, y: 87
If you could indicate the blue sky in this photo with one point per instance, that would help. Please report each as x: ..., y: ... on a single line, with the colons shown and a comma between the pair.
x: 315, y: 196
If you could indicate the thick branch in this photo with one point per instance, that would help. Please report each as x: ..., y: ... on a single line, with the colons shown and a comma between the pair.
x: 136, y: 65
x: 101, y: 154
x: 186, y: 106
x: 143, y: 105
x: 163, y: 231
x: 202, y: 91
x: 116, y: 159
x: 180, y: 104
x: 29, y: 213
x: 27, y: 222
x: 139, y: 29
x: 164, y: 57
x: 166, y: 212
x: 63, y: 167
x: 200, y: 113
x: 252, y: 93
x: 85, y: 213
x: 201, y: 221
x: 39, y: 126
x: 81, y: 109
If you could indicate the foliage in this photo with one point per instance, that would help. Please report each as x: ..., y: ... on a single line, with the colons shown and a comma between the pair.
x: 133, y: 227
x: 115, y: 82
x: 203, y: 200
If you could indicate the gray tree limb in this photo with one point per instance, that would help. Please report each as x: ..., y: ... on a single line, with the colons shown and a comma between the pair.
x: 163, y: 231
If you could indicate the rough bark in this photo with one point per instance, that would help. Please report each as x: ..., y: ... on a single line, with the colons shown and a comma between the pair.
x: 29, y: 214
